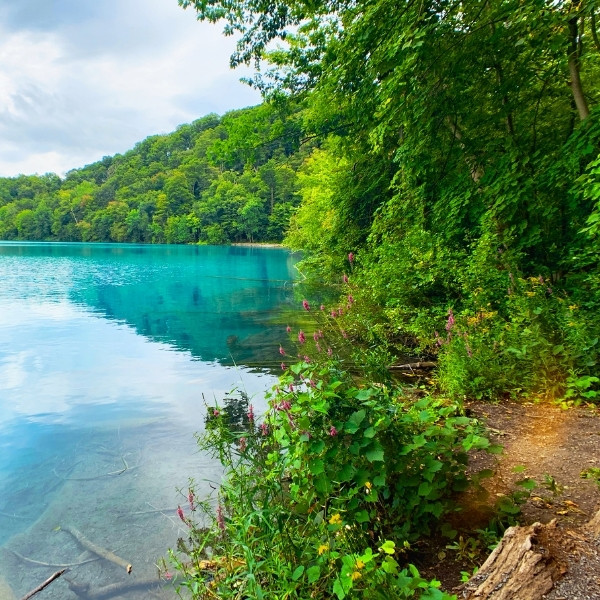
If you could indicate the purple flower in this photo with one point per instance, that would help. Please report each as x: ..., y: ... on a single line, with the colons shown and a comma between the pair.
x: 301, y: 337
x: 305, y: 305
x: 450, y: 321
x: 333, y: 431
x: 350, y: 257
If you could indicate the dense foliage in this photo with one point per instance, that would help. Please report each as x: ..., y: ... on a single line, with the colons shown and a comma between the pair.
x: 461, y: 169
x: 217, y: 180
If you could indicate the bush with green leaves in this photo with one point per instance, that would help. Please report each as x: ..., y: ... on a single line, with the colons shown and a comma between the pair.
x: 324, y: 497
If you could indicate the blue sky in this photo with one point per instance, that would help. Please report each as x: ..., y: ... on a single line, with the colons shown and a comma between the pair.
x: 82, y: 79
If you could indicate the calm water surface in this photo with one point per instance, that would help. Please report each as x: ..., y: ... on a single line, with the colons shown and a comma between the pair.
x: 108, y: 354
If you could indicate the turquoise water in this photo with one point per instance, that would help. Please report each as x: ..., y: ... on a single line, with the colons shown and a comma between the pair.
x: 108, y: 354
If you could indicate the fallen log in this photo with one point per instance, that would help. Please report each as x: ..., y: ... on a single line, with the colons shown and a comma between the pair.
x: 416, y: 365
x: 46, y: 583
x: 98, y: 550
x: 111, y: 590
x: 540, y: 561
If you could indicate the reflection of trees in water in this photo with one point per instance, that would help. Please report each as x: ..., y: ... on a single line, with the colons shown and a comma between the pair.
x: 233, y: 412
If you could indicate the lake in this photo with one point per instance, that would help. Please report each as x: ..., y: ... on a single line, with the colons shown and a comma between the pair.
x: 108, y: 356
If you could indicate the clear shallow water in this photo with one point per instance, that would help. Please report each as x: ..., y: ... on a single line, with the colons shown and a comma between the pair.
x: 106, y: 352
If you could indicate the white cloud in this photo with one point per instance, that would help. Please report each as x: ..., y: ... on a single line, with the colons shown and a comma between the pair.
x: 91, y: 79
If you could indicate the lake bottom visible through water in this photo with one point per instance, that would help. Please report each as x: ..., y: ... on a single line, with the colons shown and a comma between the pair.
x: 98, y: 414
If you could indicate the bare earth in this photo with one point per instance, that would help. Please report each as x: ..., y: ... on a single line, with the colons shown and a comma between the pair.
x: 554, y: 447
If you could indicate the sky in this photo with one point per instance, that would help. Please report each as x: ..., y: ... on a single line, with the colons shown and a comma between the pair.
x: 83, y: 79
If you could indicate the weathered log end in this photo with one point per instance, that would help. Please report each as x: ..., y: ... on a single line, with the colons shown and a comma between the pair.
x: 529, y: 562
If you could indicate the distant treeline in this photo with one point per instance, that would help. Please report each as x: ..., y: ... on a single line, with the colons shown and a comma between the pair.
x: 216, y: 180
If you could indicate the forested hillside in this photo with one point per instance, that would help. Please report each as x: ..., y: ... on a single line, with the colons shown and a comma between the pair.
x: 217, y: 180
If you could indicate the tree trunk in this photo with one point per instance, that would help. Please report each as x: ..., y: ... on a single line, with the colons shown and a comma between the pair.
x: 576, y: 86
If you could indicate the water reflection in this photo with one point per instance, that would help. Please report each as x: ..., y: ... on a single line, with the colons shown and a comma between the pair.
x: 108, y: 358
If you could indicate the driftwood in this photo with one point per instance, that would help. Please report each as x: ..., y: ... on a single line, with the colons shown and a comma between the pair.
x: 416, y: 365
x: 98, y: 550
x: 46, y: 583
x: 111, y: 590
x: 530, y: 562
x: 41, y: 563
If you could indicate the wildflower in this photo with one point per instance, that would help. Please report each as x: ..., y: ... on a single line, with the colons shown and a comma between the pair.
x: 573, y: 307
x: 318, y: 346
x: 360, y: 564
x: 283, y: 366
x: 350, y: 257
x: 530, y: 294
x: 541, y: 279
x: 316, y: 336
x: 344, y: 334
x: 216, y: 413
x: 322, y: 307
x: 340, y: 311
x: 334, y: 313
x: 168, y: 576
x: 291, y: 387
x: 335, y: 519
x: 306, y: 359
x: 450, y: 321
x: 368, y: 485
x: 301, y: 337
x: 281, y: 351
x: 345, y: 278
x: 305, y: 305
x: 180, y: 514
x: 312, y: 383
x: 329, y: 352
x: 333, y: 431
x: 350, y: 299
x: 251, y: 414
x: 322, y: 549
x: 438, y: 340
x: 288, y: 329
x: 355, y: 575
x: 264, y: 429
x: 191, y: 499
x: 220, y: 518
x: 320, y: 334
x: 243, y: 443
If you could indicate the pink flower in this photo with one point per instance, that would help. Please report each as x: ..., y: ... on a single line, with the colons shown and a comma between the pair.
x: 329, y: 352
x: 322, y: 307
x: 301, y: 337
x: 350, y: 299
x: 216, y: 413
x: 264, y: 428
x: 350, y: 257
x: 450, y: 322
x: 340, y: 311
x: 345, y: 278
x: 180, y: 514
x: 243, y: 444
x: 316, y: 336
x: 220, y: 518
x: 333, y: 431
x: 251, y: 414
x: 318, y: 346
x: 320, y: 333
x: 168, y: 576
x: 288, y: 329
x: 306, y: 358
x: 191, y: 499
x: 344, y: 334
x: 283, y: 366
x: 305, y: 305
x: 334, y: 313
x: 281, y: 351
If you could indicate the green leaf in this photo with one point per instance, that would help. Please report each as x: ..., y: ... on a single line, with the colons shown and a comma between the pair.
x: 313, y: 573
x: 388, y: 547
x: 369, y: 432
x: 375, y: 454
x: 365, y: 394
x: 298, y: 573
x: 316, y: 466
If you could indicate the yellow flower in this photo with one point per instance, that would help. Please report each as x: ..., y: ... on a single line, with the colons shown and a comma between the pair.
x: 323, y: 548
x: 368, y: 485
x: 335, y: 519
x: 573, y: 307
x: 359, y: 564
x: 530, y: 294
x: 356, y: 575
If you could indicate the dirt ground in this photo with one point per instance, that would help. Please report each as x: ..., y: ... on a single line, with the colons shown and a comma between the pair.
x: 555, y: 448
